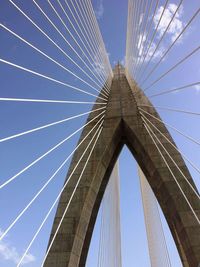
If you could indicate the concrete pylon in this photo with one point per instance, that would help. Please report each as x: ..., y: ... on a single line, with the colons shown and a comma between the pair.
x: 123, y: 125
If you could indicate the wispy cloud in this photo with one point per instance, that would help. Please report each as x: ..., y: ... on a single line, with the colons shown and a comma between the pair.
x: 10, y: 253
x: 98, y: 65
x: 99, y: 10
x: 177, y: 23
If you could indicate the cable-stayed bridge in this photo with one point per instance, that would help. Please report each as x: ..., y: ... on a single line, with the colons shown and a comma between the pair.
x: 58, y: 64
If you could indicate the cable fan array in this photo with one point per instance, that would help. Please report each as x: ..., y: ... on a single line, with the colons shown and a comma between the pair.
x: 110, y: 231
x: 77, y: 50
x: 154, y: 32
x: 158, y: 250
x: 144, y: 40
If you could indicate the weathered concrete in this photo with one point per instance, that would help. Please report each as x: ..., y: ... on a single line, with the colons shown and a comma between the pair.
x: 123, y: 125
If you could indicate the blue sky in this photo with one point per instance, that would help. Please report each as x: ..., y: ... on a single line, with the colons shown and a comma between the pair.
x: 18, y: 117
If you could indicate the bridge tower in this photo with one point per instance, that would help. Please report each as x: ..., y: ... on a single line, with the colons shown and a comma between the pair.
x: 123, y: 125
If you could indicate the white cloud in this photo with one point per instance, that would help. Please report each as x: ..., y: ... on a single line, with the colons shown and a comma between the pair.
x: 141, y: 19
x: 98, y: 67
x: 197, y: 88
x: 158, y: 53
x: 142, y: 49
x: 10, y: 253
x: 176, y: 25
x: 99, y: 10
x: 173, y: 31
x: 123, y: 61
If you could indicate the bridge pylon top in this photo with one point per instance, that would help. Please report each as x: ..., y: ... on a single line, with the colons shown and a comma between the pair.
x: 118, y: 70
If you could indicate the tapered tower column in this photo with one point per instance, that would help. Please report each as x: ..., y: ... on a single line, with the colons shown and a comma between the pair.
x: 123, y: 124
